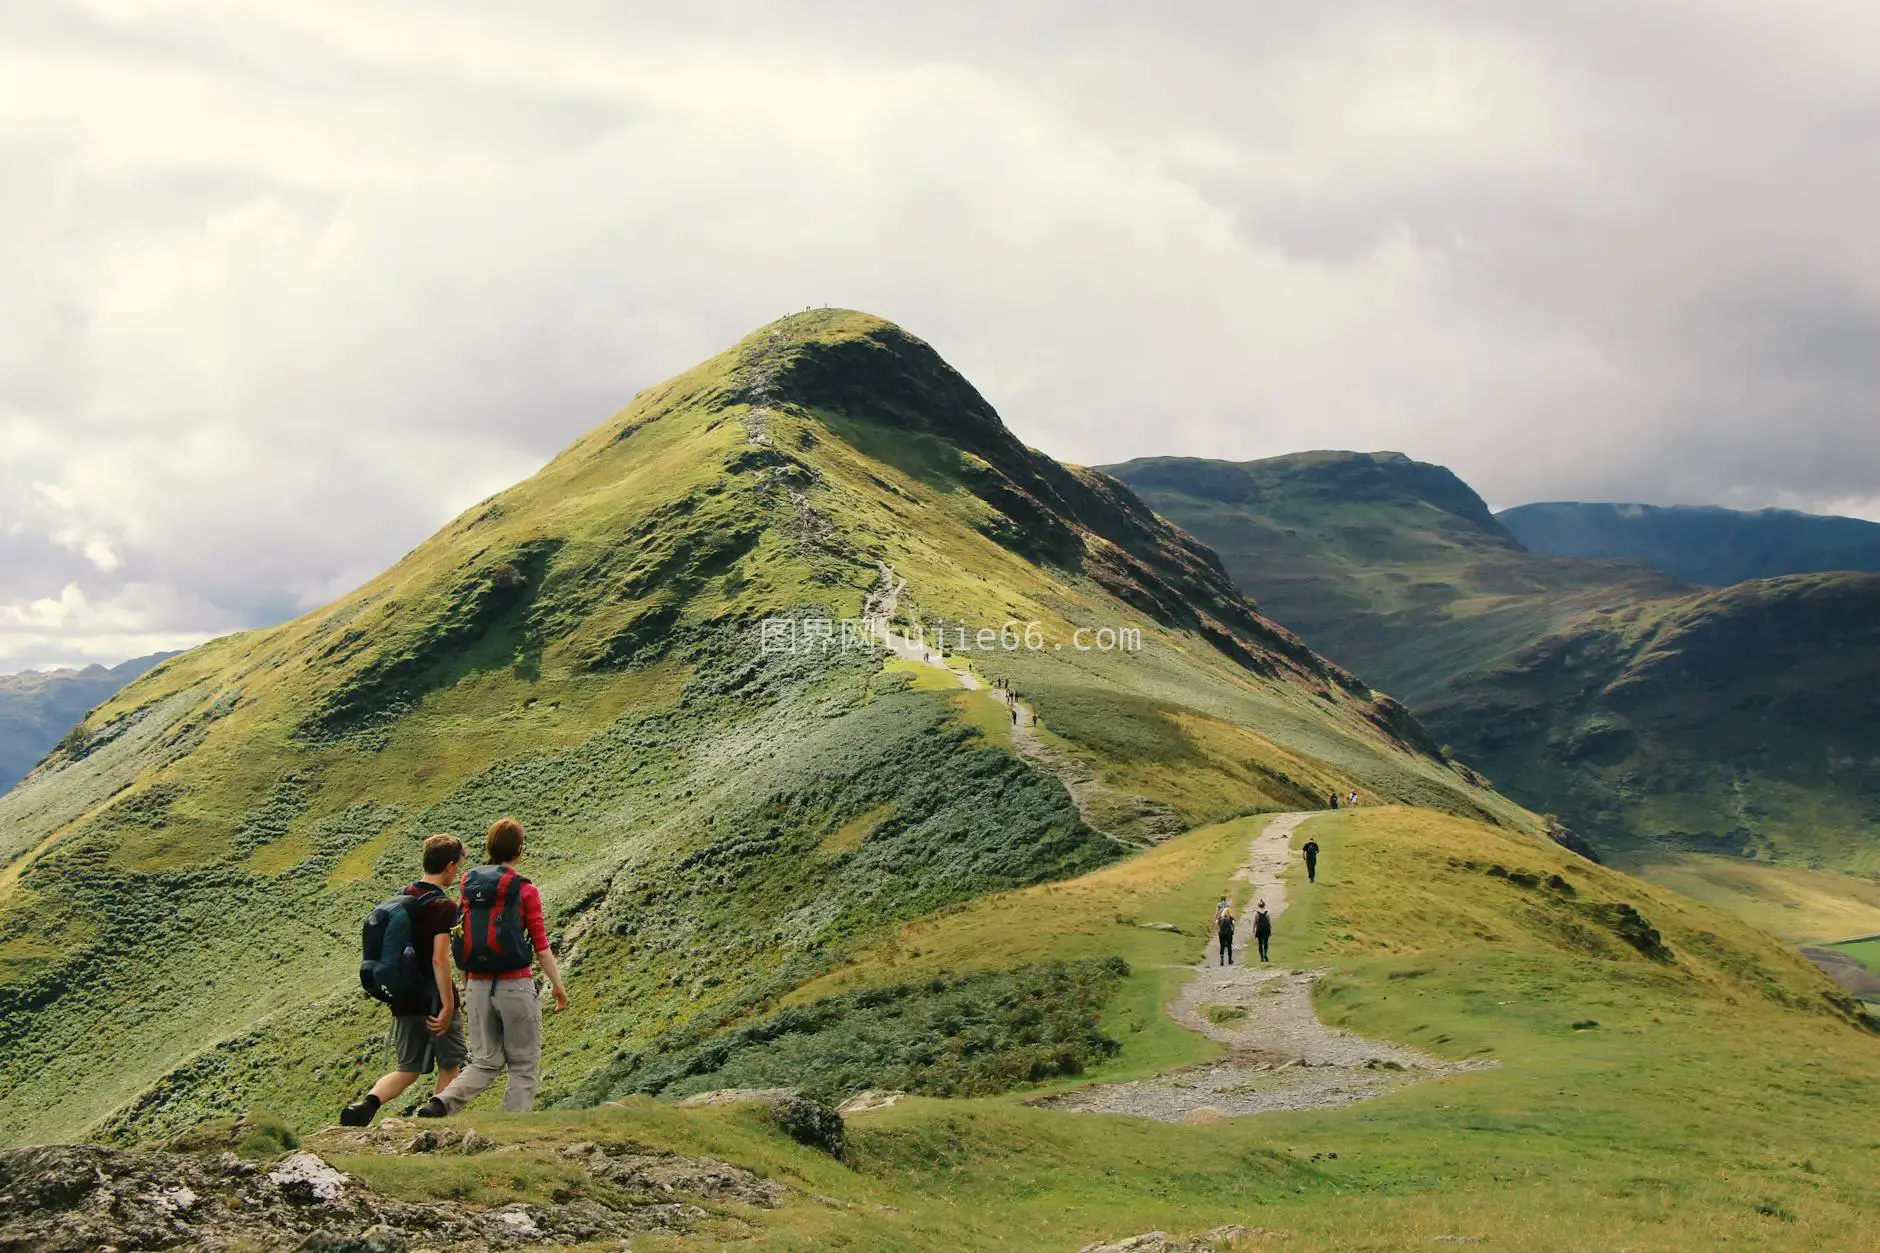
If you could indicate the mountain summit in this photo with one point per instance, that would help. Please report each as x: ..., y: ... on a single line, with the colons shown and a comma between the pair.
x: 717, y: 811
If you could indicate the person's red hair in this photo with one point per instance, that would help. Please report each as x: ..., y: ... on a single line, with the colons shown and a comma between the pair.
x: 504, y: 841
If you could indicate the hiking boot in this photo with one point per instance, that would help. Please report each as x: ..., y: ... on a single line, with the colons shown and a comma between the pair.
x: 433, y: 1108
x: 359, y: 1113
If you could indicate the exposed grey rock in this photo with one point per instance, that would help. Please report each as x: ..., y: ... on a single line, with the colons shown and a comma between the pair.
x: 736, y: 1096
x: 804, y: 1119
x: 862, y: 1102
x: 1206, y: 1242
x: 650, y: 1173
x: 82, y: 1198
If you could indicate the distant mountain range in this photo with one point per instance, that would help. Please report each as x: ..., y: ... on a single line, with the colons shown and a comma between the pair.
x: 1699, y: 543
x: 38, y: 708
x: 1648, y: 713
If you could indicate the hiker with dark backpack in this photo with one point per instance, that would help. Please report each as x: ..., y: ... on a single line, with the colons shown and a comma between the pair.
x: 500, y: 929
x: 406, y: 963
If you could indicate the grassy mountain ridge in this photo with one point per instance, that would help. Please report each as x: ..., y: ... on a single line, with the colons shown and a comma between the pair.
x: 1649, y: 714
x: 1699, y: 543
x: 712, y: 823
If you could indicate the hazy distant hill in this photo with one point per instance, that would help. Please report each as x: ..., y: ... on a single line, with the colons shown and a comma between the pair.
x: 38, y: 707
x: 1647, y: 713
x: 1699, y: 543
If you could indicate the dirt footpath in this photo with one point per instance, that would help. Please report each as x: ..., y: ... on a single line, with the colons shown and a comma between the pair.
x: 1282, y: 1056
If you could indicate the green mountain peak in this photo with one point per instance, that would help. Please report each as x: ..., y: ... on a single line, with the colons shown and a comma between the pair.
x: 587, y: 651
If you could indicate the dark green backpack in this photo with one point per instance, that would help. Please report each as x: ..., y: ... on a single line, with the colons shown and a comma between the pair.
x: 390, y: 967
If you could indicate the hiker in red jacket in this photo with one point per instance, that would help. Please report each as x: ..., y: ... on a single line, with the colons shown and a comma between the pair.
x: 500, y: 923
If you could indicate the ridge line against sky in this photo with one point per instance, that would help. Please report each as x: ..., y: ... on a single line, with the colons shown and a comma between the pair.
x: 289, y: 285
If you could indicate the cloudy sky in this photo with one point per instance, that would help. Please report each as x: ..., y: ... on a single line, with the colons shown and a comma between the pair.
x: 283, y: 286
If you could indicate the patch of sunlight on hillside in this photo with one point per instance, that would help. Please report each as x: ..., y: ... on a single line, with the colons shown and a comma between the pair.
x: 1794, y: 904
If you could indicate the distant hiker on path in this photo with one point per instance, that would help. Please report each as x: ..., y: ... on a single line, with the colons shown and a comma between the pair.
x: 1334, y: 803
x: 1311, y: 850
x: 501, y: 919
x: 1224, y: 929
x: 427, y: 1025
x: 1353, y: 800
x: 1262, y: 927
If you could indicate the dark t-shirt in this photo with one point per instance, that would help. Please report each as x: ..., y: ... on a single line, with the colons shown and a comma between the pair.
x: 428, y: 921
x: 1311, y: 850
x: 1262, y: 924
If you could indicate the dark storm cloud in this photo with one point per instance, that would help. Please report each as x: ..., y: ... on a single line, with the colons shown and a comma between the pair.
x: 285, y: 285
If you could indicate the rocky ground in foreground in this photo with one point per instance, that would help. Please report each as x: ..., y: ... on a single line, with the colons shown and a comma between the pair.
x: 60, y: 1198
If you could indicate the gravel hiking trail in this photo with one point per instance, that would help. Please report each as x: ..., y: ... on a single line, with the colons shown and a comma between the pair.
x: 1087, y: 793
x: 1282, y: 1056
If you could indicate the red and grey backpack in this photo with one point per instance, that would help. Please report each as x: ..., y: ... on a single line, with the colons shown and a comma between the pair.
x: 490, y: 938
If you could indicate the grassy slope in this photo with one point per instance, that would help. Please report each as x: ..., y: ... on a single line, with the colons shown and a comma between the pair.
x: 1710, y: 1097
x: 1645, y: 714
x: 1792, y: 903
x: 180, y: 902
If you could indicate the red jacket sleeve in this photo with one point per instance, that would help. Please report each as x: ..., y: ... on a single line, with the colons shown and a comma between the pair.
x: 532, y: 917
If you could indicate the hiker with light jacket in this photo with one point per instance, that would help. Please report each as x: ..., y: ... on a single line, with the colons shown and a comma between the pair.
x: 407, y: 964
x: 500, y: 928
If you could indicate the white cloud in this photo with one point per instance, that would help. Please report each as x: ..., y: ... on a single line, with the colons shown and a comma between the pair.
x: 72, y: 629
x: 288, y: 284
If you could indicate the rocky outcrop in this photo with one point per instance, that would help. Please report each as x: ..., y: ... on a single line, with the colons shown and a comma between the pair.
x: 73, y: 1198
x: 1231, y: 1236
x: 804, y: 1119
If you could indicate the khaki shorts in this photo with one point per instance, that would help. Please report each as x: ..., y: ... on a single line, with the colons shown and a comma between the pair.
x: 418, y: 1051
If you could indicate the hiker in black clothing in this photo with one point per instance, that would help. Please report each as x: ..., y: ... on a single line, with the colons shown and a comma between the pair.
x: 1225, y: 930
x: 428, y: 1024
x: 1334, y: 800
x: 1311, y: 850
x: 1262, y: 927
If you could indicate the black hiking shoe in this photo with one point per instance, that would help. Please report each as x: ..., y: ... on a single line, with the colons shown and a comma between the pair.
x: 358, y: 1114
x: 433, y: 1108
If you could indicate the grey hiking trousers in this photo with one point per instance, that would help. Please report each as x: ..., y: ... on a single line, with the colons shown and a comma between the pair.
x: 505, y: 1032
